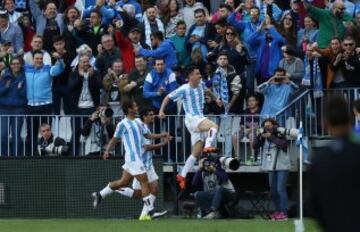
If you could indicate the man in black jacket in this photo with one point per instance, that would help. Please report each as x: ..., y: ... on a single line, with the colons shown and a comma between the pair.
x: 85, y: 84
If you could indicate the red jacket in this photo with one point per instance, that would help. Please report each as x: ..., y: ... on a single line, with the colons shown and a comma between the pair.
x: 127, y: 51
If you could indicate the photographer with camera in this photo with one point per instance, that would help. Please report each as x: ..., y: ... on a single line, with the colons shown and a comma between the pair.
x: 277, y: 91
x: 98, y: 130
x: 272, y: 144
x: 217, y: 189
x: 48, y: 145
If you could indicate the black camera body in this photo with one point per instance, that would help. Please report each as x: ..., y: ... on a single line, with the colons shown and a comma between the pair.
x: 225, y: 162
x: 56, y: 147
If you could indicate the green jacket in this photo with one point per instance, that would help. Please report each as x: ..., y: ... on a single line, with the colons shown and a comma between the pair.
x: 329, y: 25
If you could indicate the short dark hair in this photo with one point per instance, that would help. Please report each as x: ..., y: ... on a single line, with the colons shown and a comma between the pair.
x: 255, y: 8
x: 349, y: 37
x: 279, y: 69
x: 222, y: 53
x: 190, y: 69
x: 271, y: 120
x: 221, y: 22
x: 127, y: 105
x: 158, y: 34
x: 181, y: 22
x: 144, y: 112
x: 200, y: 10
x: 139, y: 57
x: 337, y: 112
x: 96, y: 11
x: 58, y: 38
x: 252, y: 95
x: 227, y: 6
x: 159, y: 58
x: 37, y: 52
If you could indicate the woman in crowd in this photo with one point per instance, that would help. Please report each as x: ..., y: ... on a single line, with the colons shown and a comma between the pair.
x: 287, y: 28
x: 171, y: 15
x: 12, y: 106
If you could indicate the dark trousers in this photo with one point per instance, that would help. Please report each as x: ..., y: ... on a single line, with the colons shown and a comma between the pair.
x: 33, y: 123
x: 77, y: 123
x: 61, y: 92
x: 11, y: 124
x: 208, y: 201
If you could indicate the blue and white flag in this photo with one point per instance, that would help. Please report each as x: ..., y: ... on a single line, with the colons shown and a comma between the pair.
x: 304, y: 141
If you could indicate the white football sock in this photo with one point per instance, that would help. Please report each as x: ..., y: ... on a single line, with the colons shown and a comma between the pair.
x: 106, y: 191
x: 127, y: 192
x: 144, y: 211
x: 211, y: 137
x: 190, y: 162
x: 148, y: 202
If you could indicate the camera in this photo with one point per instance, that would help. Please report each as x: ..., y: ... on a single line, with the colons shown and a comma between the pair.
x: 106, y: 113
x: 289, y: 132
x: 52, y: 150
x: 279, y: 79
x: 225, y: 162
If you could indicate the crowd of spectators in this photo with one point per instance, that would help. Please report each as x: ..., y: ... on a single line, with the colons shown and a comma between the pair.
x: 70, y: 57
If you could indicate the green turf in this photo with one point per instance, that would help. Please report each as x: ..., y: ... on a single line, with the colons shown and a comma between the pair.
x: 165, y: 225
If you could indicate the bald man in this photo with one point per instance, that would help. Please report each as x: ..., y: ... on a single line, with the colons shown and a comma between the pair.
x: 331, y: 21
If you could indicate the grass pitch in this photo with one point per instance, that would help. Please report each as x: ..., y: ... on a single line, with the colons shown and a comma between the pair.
x: 164, y: 225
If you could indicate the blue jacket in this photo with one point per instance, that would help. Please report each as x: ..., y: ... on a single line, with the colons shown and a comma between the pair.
x: 247, y: 29
x: 258, y: 39
x: 165, y: 50
x: 39, y: 82
x: 107, y: 14
x: 41, y: 19
x: 210, y: 33
x: 154, y: 81
x: 12, y: 96
x: 138, y: 11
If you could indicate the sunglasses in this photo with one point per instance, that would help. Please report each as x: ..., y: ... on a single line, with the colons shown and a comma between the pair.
x: 348, y: 44
x: 230, y: 33
x: 290, y: 19
x: 342, y: 9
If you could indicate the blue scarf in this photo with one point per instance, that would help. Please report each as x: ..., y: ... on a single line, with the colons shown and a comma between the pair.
x: 317, y: 80
x: 221, y: 85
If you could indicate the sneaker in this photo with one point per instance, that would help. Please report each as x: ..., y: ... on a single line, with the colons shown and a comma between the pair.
x: 145, y: 218
x: 208, y: 150
x: 281, y: 217
x: 181, y: 182
x: 212, y: 215
x: 273, y: 216
x: 154, y: 214
x: 96, y: 199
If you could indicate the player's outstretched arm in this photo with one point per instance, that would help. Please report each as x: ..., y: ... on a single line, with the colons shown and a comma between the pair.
x: 165, y: 102
x: 153, y: 147
x: 109, y: 147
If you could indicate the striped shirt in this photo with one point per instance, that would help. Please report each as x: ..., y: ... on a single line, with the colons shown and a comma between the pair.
x: 131, y: 132
x: 193, y: 98
x: 147, y: 155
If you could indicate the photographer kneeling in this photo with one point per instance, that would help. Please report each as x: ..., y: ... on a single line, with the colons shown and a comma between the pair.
x: 98, y: 130
x: 217, y: 188
x: 50, y: 146
x: 273, y: 144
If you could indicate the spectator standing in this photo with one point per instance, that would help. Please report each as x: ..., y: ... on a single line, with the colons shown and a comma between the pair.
x: 137, y: 6
x: 172, y: 15
x: 200, y: 33
x: 39, y: 77
x: 277, y: 91
x: 293, y: 66
x: 165, y: 49
x: 331, y: 22
x: 136, y: 82
x: 14, y: 15
x: 150, y: 25
x: 113, y: 83
x: 276, y: 161
x: 92, y: 33
x: 189, y: 12
x: 307, y: 35
x: 28, y: 31
x: 178, y: 40
x: 48, y: 23
x: 269, y: 42
x: 226, y: 87
x: 11, y: 32
x: 224, y: 11
x: 107, y: 13
x: 84, y: 85
x: 37, y: 45
x: 12, y: 102
x: 287, y: 28
x: 60, y: 83
x: 107, y: 54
